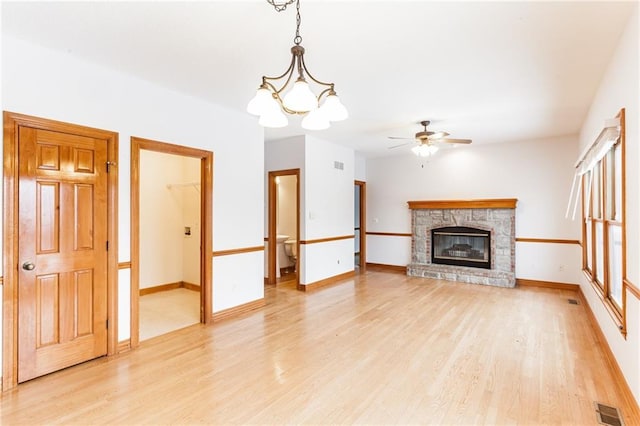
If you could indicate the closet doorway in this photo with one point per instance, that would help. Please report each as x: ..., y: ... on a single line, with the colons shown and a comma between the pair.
x: 171, y: 221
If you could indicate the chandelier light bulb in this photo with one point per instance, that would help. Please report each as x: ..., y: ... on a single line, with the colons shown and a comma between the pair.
x: 333, y: 109
x: 260, y: 102
x: 273, y: 118
x: 300, y: 98
x: 315, y: 120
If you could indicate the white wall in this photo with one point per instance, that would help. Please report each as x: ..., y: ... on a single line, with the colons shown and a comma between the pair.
x: 124, y: 304
x: 387, y: 250
x: 325, y: 260
x: 240, y: 284
x: 166, y: 254
x: 329, y: 191
x: 57, y: 85
x: 287, y: 206
x: 618, y: 89
x: 328, y: 210
x: 160, y: 218
x: 538, y: 173
x: 326, y: 202
x: 191, y: 198
x: 360, y: 167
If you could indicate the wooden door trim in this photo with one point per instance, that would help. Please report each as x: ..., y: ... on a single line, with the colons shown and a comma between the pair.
x: 363, y: 223
x: 206, y: 230
x: 12, y: 122
x: 272, y: 225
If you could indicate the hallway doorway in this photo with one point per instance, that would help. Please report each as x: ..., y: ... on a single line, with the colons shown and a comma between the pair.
x: 283, y: 261
x: 360, y: 225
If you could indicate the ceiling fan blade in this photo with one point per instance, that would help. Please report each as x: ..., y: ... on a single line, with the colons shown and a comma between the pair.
x: 462, y: 141
x: 428, y: 137
x: 402, y: 144
x: 438, y: 135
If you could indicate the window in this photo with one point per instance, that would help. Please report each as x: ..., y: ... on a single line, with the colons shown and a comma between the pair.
x: 588, y: 227
x: 603, y: 227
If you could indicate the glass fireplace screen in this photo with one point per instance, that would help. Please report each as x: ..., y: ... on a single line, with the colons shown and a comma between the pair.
x: 461, y: 246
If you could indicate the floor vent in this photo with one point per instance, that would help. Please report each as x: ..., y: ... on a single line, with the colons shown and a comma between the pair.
x: 608, y: 415
x: 573, y: 302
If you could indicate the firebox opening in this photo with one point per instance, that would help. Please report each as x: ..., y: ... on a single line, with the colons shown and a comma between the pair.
x: 461, y: 246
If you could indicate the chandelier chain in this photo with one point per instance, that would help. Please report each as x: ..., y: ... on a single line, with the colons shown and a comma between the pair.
x: 279, y: 7
x: 298, y: 39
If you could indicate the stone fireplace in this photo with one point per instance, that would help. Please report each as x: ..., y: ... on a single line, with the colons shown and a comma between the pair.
x: 470, y: 241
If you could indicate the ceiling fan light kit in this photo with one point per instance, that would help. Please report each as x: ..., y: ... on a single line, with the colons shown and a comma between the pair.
x: 427, y: 141
x: 424, y: 150
x: 272, y: 107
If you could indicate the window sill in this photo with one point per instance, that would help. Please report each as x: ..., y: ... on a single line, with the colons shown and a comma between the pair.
x: 610, y: 308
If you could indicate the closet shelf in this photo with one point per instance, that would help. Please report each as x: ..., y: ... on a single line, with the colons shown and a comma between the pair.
x: 194, y: 185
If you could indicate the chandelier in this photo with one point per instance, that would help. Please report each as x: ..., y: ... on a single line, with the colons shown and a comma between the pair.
x: 271, y: 105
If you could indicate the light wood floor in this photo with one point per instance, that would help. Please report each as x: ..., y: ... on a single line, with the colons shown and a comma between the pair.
x: 167, y: 311
x: 378, y: 349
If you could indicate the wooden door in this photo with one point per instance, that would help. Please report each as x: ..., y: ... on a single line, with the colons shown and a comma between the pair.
x: 62, y: 251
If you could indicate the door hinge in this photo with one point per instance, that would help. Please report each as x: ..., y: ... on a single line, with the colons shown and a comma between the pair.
x: 109, y: 164
x: 107, y: 324
x: 107, y: 245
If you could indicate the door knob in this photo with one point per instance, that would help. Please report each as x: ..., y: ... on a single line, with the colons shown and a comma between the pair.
x: 28, y: 266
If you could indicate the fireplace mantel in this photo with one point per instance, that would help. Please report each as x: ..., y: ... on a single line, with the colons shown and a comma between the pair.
x: 496, y: 203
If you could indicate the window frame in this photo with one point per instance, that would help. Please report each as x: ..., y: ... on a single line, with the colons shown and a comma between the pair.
x: 608, y: 216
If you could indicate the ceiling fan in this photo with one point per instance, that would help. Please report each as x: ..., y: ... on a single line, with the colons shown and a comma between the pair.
x: 428, y: 141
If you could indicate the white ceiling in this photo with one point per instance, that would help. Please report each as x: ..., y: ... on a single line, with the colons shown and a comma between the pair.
x: 489, y: 71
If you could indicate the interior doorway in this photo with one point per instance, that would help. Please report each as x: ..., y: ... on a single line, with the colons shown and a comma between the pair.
x: 283, y: 261
x: 170, y: 237
x: 360, y: 224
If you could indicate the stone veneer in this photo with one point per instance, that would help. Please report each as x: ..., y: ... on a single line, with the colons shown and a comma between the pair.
x: 499, y: 221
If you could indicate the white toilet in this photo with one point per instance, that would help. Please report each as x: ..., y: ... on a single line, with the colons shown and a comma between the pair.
x: 291, y: 250
x: 281, y: 256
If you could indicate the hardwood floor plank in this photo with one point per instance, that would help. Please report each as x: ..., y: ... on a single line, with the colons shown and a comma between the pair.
x: 380, y: 348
